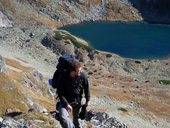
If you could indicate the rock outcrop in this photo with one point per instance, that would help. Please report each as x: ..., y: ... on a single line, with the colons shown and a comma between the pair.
x: 102, y: 120
x: 60, y: 47
x: 3, y: 68
x: 4, y: 21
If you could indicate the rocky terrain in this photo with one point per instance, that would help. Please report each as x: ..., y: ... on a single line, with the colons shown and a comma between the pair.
x: 126, y: 92
x: 127, y: 89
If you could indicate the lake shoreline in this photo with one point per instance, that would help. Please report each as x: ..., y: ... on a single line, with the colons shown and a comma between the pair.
x: 156, y: 27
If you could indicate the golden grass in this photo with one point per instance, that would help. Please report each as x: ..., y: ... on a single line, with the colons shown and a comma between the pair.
x: 95, y: 1
x: 116, y: 93
x: 10, y: 95
x: 157, y: 107
x: 153, y: 101
x: 16, y: 64
x: 9, y: 5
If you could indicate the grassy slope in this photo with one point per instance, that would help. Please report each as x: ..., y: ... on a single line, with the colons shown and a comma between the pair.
x: 11, y: 89
x: 10, y: 95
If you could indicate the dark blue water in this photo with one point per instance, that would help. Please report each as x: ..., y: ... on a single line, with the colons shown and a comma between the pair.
x: 131, y: 40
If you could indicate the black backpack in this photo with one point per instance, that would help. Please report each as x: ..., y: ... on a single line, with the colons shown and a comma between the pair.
x: 63, y: 67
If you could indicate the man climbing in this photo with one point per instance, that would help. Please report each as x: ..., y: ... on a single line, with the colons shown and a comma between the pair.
x: 71, y: 86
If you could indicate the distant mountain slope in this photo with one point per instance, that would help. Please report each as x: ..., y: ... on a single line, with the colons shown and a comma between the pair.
x: 54, y: 13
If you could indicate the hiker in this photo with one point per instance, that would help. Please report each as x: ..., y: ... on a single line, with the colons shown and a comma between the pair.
x: 71, y: 86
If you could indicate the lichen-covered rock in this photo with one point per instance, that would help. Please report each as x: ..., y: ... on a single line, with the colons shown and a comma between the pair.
x: 58, y: 46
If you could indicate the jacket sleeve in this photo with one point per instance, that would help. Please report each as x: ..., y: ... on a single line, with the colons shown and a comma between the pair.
x: 86, y: 88
x: 60, y: 95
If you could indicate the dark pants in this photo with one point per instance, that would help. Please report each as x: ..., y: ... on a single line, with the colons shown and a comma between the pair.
x: 64, y: 116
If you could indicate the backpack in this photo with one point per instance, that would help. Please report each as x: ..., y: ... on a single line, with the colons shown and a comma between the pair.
x: 63, y: 67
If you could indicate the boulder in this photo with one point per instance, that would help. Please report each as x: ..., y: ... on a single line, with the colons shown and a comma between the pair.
x: 4, y: 21
x: 1, y: 119
x: 58, y: 46
x: 3, y: 68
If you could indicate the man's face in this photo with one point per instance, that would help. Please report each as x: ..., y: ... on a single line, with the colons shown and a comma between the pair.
x: 76, y: 73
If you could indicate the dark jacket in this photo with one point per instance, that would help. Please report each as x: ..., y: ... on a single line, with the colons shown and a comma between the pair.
x: 71, y: 89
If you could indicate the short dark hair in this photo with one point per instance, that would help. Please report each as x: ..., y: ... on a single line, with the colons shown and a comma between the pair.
x: 74, y: 65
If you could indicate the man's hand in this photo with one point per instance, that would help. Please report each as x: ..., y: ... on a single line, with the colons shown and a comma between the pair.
x: 69, y: 108
x: 87, y: 103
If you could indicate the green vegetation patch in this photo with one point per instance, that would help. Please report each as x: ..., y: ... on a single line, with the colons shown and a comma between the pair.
x: 108, y: 55
x: 166, y: 82
x: 59, y: 35
x: 122, y: 109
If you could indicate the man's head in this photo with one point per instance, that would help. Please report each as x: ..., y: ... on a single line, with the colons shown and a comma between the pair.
x: 75, y: 69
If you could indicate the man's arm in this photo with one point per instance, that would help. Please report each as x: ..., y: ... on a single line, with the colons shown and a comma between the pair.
x: 86, y: 90
x: 59, y: 92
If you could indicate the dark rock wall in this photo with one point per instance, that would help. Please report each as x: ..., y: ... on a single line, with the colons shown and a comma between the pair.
x: 155, y: 11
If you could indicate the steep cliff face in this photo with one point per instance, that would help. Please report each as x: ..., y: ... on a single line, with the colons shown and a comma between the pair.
x: 157, y: 11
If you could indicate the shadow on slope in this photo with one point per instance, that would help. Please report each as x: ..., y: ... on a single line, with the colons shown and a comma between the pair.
x: 154, y: 11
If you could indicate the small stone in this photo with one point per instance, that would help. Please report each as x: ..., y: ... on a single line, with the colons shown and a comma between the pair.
x: 31, y: 35
x: 31, y: 110
x: 8, y: 111
x: 1, y: 119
